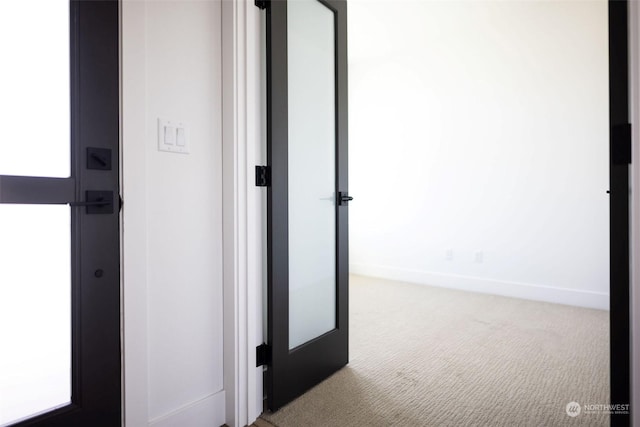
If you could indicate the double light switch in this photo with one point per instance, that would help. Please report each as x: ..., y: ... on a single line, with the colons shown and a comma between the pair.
x: 172, y: 136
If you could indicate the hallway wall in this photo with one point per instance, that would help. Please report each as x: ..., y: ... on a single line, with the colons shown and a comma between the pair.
x: 479, y: 146
x: 172, y: 217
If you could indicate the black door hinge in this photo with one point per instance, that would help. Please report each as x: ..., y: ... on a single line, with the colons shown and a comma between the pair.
x: 263, y: 355
x: 263, y: 176
x: 621, y: 144
x: 262, y: 4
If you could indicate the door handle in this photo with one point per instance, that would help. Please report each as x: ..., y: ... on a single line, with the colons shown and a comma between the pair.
x: 344, y: 198
x: 96, y: 202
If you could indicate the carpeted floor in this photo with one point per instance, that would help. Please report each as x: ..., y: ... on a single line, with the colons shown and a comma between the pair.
x: 426, y: 356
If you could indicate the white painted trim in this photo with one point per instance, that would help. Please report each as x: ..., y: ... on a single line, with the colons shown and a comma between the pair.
x: 256, y: 202
x: 634, y: 96
x: 206, y: 412
x: 233, y: 378
x: 134, y: 218
x: 242, y: 138
x: 567, y: 296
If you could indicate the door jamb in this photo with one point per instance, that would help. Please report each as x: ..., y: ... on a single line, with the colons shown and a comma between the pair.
x: 242, y: 140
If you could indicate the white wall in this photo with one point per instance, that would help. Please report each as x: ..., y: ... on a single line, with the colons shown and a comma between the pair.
x: 481, y: 127
x: 172, y: 218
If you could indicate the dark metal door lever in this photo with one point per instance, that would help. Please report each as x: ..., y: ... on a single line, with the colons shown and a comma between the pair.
x: 97, y: 202
x: 344, y: 198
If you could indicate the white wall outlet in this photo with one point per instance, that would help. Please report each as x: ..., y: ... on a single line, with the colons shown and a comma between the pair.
x: 173, y: 136
x: 479, y: 257
x: 448, y: 255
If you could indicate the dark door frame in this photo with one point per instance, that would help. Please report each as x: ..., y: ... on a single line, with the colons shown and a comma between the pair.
x: 620, y: 157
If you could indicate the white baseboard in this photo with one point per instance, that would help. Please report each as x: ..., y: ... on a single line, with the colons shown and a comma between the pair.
x: 206, y: 412
x: 575, y: 297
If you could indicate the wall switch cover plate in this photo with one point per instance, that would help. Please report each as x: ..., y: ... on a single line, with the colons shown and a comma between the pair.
x: 173, y: 136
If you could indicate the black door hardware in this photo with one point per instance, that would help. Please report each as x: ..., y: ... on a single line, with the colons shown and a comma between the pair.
x: 263, y: 355
x: 263, y: 177
x: 344, y: 198
x: 97, y: 202
x: 99, y: 158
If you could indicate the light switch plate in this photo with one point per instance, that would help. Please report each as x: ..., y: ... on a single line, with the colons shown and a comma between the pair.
x: 173, y: 136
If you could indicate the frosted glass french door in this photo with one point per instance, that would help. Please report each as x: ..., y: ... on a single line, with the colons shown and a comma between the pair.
x: 308, y: 198
x: 312, y: 170
x: 59, y: 238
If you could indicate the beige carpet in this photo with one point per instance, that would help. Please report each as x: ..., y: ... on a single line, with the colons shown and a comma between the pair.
x: 426, y: 356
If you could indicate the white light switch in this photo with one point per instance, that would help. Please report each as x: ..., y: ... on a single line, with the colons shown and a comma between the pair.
x: 169, y: 135
x: 173, y: 136
x: 181, y: 137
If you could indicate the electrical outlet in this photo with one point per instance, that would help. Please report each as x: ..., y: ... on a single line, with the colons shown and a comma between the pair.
x: 448, y: 255
x: 479, y: 257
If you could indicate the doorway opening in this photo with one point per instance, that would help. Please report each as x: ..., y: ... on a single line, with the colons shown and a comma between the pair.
x: 479, y: 147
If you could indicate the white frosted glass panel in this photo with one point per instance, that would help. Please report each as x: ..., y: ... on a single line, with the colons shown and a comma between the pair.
x: 312, y: 210
x: 35, y: 309
x: 34, y: 88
